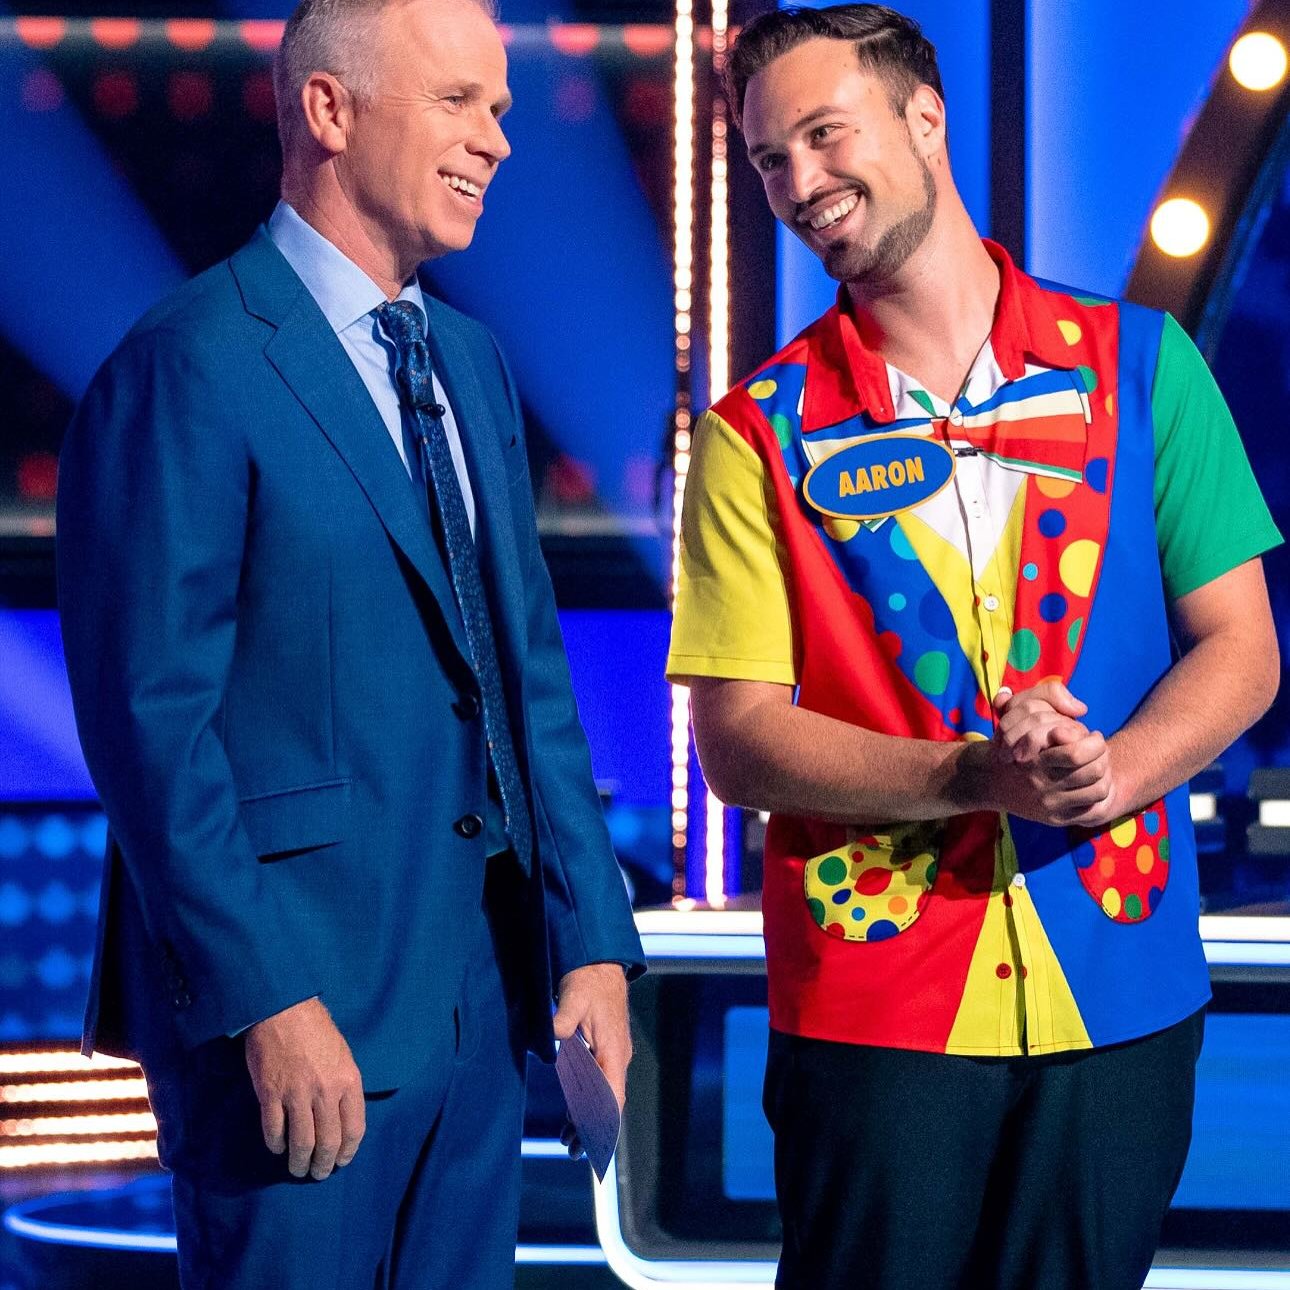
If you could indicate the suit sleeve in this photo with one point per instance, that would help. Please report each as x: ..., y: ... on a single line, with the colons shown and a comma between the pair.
x: 589, y: 916
x: 153, y: 506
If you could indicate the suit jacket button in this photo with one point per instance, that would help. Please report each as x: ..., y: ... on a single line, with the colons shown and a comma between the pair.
x: 182, y: 999
x: 466, y: 707
x: 469, y: 826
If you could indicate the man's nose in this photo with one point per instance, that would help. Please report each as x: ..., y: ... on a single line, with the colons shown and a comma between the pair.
x: 803, y: 179
x: 491, y: 141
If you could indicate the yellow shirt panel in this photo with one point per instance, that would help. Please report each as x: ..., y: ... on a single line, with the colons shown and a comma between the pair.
x: 731, y: 616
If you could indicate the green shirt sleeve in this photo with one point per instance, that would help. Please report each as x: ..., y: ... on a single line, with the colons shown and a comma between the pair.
x: 1210, y: 514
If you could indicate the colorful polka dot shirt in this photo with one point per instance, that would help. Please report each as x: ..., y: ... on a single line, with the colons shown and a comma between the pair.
x: 898, y: 560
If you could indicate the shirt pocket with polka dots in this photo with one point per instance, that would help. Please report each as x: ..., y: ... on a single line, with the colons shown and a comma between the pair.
x: 1125, y: 867
x: 875, y: 885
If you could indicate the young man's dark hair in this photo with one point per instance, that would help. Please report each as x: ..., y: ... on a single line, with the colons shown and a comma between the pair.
x: 887, y: 43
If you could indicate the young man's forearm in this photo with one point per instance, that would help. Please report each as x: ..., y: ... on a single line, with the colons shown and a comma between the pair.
x: 1217, y: 690
x: 760, y: 751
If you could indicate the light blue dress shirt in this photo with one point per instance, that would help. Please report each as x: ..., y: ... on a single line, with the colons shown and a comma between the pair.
x: 348, y: 299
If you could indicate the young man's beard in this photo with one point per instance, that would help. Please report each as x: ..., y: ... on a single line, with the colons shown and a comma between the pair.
x: 872, y: 265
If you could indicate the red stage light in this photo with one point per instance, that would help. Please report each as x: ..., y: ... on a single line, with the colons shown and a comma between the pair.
x: 40, y: 33
x: 38, y: 477
x: 648, y: 102
x: 576, y: 38
x: 648, y: 40
x: 115, y: 33
x: 191, y: 34
x: 264, y: 34
x: 257, y: 97
x: 571, y: 481
x: 190, y: 95
x: 116, y: 94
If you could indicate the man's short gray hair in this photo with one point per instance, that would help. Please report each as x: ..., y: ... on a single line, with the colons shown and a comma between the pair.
x: 336, y: 36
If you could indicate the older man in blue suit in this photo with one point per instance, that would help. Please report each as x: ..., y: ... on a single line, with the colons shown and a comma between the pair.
x: 356, y: 847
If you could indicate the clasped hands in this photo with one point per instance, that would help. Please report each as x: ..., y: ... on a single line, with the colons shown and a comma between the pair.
x: 1046, y: 765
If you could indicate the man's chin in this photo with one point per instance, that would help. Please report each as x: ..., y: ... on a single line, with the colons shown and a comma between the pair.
x: 845, y: 263
x: 450, y: 238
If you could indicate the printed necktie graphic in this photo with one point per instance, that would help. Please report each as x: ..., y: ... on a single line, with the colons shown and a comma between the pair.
x: 405, y: 324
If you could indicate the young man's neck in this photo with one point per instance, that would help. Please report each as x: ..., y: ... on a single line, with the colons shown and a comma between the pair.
x: 933, y: 318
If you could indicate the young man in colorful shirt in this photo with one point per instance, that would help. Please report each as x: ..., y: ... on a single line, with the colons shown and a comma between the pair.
x: 933, y: 552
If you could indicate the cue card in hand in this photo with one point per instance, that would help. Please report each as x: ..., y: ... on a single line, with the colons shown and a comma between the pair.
x: 593, y: 1108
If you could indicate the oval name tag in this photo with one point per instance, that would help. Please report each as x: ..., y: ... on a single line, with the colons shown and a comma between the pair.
x: 880, y: 476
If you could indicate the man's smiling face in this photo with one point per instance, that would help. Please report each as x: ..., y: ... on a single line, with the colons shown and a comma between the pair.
x: 839, y: 163
x: 424, y: 149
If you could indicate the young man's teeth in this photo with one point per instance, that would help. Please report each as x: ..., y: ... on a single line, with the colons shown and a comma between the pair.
x: 835, y: 212
x: 462, y: 185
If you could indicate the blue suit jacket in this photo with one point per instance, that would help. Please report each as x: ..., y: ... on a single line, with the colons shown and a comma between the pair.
x: 272, y: 686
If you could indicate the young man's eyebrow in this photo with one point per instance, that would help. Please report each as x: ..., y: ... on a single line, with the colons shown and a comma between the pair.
x: 828, y: 110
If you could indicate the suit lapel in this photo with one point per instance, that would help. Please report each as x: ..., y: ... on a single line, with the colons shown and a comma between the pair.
x: 482, y: 444
x: 307, y: 355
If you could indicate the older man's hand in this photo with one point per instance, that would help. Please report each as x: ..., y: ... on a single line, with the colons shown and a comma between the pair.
x: 309, y: 1088
x: 593, y: 999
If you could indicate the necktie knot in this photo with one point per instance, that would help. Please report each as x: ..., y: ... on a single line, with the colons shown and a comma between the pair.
x: 405, y: 324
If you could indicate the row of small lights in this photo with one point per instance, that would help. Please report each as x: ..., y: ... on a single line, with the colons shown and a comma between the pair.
x: 1181, y: 226
x: 648, y: 40
x: 683, y: 303
x: 718, y: 332
x: 718, y: 370
x: 32, y: 1135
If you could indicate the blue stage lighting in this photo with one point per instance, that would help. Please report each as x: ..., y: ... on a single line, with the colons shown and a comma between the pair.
x: 82, y: 258
x: 570, y: 269
x: 41, y: 753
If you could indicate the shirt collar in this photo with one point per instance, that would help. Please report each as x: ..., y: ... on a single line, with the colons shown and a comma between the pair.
x: 341, y: 289
x: 844, y: 377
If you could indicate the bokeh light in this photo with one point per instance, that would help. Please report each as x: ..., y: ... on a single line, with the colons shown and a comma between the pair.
x: 1258, y: 61
x: 1180, y: 227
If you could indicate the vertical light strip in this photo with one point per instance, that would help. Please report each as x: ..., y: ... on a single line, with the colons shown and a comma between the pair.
x: 683, y: 289
x: 719, y: 247
x: 718, y: 365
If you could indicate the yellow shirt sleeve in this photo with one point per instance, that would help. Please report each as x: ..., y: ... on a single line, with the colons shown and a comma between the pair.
x: 732, y: 616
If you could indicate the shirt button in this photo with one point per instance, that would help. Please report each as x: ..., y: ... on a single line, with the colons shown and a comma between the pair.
x: 469, y: 826
x: 1018, y: 879
x: 991, y: 603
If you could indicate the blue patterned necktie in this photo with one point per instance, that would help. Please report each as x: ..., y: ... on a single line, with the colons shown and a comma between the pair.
x: 405, y: 324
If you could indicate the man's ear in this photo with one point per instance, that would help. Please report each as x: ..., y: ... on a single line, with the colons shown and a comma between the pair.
x: 328, y: 109
x: 925, y: 116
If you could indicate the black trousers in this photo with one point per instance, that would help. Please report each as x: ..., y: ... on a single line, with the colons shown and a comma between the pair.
x: 902, y: 1170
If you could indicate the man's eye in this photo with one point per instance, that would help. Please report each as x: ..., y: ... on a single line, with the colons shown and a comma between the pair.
x: 768, y: 163
x: 821, y: 132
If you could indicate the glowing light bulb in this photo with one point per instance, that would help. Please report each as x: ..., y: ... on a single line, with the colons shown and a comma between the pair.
x: 1180, y: 227
x: 1258, y: 61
